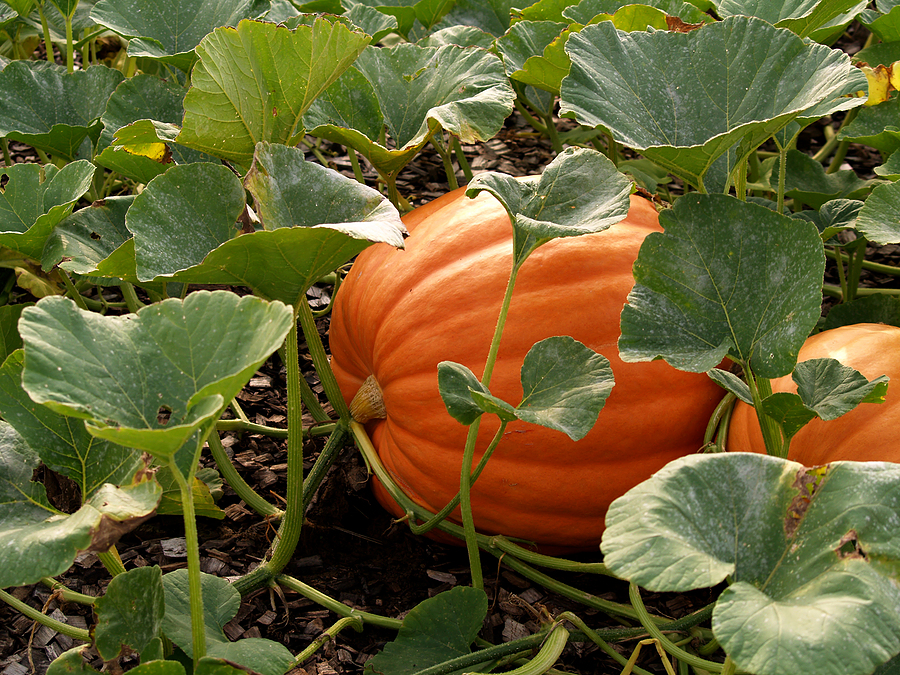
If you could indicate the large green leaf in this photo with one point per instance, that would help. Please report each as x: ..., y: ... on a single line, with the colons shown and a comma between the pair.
x: 434, y: 631
x: 63, y: 443
x: 221, y: 602
x: 254, y: 82
x: 810, y: 556
x: 168, y: 31
x: 143, y: 97
x: 52, y: 110
x: 727, y: 278
x: 464, y: 91
x: 155, y: 379
x: 36, y: 199
x: 800, y: 16
x: 878, y: 219
x: 205, y: 199
x: 314, y: 221
x: 687, y: 99
x: 38, y: 540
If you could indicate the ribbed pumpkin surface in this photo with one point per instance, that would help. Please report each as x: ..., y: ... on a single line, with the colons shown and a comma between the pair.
x: 399, y: 313
x: 869, y: 432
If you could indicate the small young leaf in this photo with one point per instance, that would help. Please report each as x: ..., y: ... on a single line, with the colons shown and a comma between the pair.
x: 220, y: 605
x: 434, y: 631
x: 130, y: 613
x: 731, y: 382
x: 456, y: 382
x: 495, y: 406
x: 832, y: 389
x: 565, y: 386
x: 789, y: 411
x: 557, y: 203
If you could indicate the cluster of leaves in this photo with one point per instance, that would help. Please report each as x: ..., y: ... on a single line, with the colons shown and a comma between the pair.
x: 180, y: 111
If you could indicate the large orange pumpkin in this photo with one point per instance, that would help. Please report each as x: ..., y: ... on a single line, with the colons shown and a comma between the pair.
x: 399, y: 313
x: 869, y: 432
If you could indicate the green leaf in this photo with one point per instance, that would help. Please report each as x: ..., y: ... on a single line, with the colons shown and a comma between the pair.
x: 41, y: 542
x: 684, y: 100
x: 220, y: 605
x: 727, y: 278
x: 205, y: 198
x: 455, y: 383
x: 807, y: 181
x: 159, y: 667
x: 350, y: 103
x: 789, y: 411
x: 833, y: 216
x: 579, y: 192
x: 493, y: 405
x: 130, y: 613
x: 436, y: 630
x: 52, y: 110
x: 36, y: 199
x: 464, y: 91
x: 10, y: 340
x: 202, y: 351
x: 877, y: 308
x: 532, y: 53
x: 167, y: 32
x: 315, y: 220
x: 832, y: 389
x: 89, y: 236
x: 254, y: 82
x: 731, y: 382
x: 63, y: 443
x: 877, y: 126
x: 171, y: 503
x: 810, y: 555
x: 800, y: 16
x: 143, y: 97
x: 371, y: 21
x: 491, y: 16
x: 878, y: 219
x: 565, y: 386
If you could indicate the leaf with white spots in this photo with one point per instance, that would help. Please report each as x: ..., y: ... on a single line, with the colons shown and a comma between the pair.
x: 726, y: 279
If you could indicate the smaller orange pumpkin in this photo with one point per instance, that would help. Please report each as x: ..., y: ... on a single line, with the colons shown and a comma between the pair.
x: 866, y: 433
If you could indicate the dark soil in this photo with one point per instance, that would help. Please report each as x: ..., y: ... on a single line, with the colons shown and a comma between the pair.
x: 350, y: 548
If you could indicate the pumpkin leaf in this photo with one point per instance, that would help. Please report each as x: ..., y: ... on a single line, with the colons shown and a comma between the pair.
x: 36, y: 199
x: 39, y: 541
x: 732, y: 383
x: 683, y: 100
x: 203, y: 350
x: 50, y: 109
x: 832, y: 389
x: 463, y: 91
x: 878, y: 219
x: 168, y: 32
x: 456, y: 384
x: 130, y: 612
x: 800, y: 16
x: 492, y: 404
x: 557, y: 203
x: 726, y: 278
x: 810, y: 555
x: 221, y: 602
x: 565, y: 386
x: 63, y: 443
x: 789, y: 411
x: 833, y: 216
x: 254, y: 82
x: 89, y: 236
x: 436, y: 630
x: 867, y: 309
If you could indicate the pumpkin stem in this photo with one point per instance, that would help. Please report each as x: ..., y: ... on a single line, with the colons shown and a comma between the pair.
x: 368, y: 403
